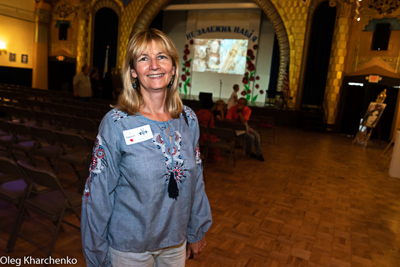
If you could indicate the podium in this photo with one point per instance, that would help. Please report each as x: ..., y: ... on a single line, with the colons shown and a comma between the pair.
x: 394, y: 170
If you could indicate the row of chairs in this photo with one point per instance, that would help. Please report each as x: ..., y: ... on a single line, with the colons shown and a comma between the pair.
x: 55, y: 146
x: 26, y: 107
x: 33, y: 190
x: 11, y: 93
x: 61, y: 122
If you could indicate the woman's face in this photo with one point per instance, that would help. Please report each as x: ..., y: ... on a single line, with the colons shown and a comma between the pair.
x: 154, y: 69
x: 371, y: 119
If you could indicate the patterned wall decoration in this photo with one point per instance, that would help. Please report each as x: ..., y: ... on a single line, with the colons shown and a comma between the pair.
x: 336, y: 63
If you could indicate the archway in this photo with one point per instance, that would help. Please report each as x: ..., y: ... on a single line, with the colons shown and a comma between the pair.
x: 302, y: 77
x: 105, y: 37
x: 318, y: 60
x: 152, y: 8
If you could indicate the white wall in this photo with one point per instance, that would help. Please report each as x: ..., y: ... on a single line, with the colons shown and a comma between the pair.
x: 17, y: 30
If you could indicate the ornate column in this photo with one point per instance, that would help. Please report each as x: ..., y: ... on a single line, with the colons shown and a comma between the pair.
x: 336, y: 63
x: 41, y: 46
x: 84, y: 31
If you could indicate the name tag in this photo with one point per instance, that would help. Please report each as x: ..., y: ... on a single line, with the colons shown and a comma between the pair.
x: 137, y: 135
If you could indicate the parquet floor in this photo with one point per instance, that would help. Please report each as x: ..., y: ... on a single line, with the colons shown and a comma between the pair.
x: 317, y: 200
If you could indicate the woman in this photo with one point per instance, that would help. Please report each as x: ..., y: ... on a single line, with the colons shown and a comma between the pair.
x: 144, y: 198
x: 219, y: 110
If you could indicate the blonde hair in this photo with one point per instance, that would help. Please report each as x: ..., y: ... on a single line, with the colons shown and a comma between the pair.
x: 130, y: 99
x: 219, y: 101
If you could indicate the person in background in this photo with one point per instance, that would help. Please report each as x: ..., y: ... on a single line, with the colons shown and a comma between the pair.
x: 107, y: 84
x: 206, y: 118
x: 82, y: 87
x: 219, y: 110
x: 241, y: 113
x: 144, y: 202
x: 233, y: 98
x: 95, y: 82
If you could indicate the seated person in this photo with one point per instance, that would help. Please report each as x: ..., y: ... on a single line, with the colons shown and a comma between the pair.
x: 206, y: 118
x: 204, y: 115
x: 219, y: 110
x: 241, y: 113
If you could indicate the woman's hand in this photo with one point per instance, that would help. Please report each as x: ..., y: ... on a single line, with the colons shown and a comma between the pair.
x: 196, y: 248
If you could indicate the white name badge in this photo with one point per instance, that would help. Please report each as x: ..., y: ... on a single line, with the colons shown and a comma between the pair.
x: 137, y: 135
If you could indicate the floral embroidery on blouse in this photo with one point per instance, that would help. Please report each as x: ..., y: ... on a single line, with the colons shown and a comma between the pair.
x: 197, y: 154
x: 189, y: 113
x: 117, y: 115
x: 179, y: 168
x: 97, y: 164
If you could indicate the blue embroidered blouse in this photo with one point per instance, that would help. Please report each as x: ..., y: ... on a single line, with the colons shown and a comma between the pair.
x: 126, y: 204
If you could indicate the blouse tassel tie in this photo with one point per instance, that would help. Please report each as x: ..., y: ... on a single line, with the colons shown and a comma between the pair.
x: 173, y: 191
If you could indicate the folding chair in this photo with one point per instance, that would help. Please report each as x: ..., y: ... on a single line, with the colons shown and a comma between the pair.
x: 204, y: 143
x: 25, y: 116
x: 23, y: 139
x: 6, y: 137
x: 54, y: 204
x: 13, y: 188
x: 94, y: 113
x: 46, y: 145
x: 236, y: 127
x: 65, y: 123
x: 45, y: 119
x: 225, y: 141
x: 86, y: 127
x: 76, y: 152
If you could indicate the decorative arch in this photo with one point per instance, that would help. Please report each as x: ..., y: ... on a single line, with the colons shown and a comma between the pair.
x: 152, y: 8
x: 117, y: 6
x: 311, y: 13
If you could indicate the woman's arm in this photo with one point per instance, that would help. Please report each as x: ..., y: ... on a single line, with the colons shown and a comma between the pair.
x: 97, y: 202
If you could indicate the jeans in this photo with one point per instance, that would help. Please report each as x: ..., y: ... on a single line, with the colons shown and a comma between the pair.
x: 252, y: 137
x: 166, y: 257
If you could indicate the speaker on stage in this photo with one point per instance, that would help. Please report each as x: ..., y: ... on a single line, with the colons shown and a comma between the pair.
x: 380, y: 39
x: 205, y: 96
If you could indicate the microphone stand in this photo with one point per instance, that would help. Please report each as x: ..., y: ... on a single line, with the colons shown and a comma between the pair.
x: 220, y: 88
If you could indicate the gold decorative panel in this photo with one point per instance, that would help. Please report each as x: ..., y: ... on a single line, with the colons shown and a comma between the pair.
x: 336, y: 65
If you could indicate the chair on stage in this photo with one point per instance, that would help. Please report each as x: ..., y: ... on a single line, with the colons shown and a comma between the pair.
x: 54, y: 205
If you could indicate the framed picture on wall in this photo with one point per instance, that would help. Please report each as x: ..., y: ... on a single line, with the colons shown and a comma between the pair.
x: 12, y: 57
x: 373, y: 114
x: 24, y: 58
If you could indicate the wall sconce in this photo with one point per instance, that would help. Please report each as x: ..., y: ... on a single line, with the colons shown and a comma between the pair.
x: 3, y: 48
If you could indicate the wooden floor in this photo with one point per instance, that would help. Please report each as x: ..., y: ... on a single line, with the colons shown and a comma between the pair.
x: 317, y: 200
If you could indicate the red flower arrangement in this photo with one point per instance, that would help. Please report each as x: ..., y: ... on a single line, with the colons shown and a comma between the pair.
x: 185, y: 77
x: 249, y: 76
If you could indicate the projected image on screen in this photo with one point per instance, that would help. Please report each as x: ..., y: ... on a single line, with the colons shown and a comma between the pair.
x: 220, y: 55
